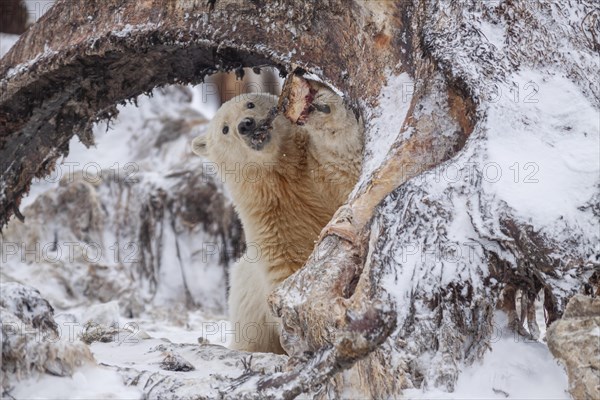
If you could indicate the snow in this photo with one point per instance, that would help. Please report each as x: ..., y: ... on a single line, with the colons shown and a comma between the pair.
x: 21, y: 68
x: 88, y: 382
x: 129, y: 29
x: 11, y: 295
x: 8, y: 40
x: 545, y: 152
x: 493, y: 33
x: 533, y: 374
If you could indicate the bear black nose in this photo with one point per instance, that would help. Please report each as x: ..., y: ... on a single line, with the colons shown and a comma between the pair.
x: 248, y: 125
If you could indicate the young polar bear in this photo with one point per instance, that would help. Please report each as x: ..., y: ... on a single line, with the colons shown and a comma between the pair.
x: 277, y: 174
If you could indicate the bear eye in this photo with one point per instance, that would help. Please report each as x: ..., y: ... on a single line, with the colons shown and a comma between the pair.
x: 225, y: 130
x: 250, y: 105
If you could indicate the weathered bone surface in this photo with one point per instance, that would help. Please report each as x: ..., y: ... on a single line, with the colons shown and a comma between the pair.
x: 363, y: 305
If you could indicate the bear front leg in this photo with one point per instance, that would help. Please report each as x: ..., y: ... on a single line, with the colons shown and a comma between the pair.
x: 336, y: 136
x: 253, y: 327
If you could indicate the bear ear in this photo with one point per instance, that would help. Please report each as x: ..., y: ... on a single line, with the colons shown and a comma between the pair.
x: 199, y: 146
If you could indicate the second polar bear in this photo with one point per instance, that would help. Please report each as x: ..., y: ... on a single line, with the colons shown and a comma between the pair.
x: 286, y: 182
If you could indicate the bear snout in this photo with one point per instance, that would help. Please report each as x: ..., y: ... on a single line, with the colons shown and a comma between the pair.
x: 247, y: 126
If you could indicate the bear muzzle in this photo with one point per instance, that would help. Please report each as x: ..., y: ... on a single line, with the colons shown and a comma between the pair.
x: 247, y: 126
x: 256, y: 135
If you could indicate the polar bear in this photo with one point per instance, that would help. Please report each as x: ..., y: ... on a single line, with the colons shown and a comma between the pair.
x: 268, y: 165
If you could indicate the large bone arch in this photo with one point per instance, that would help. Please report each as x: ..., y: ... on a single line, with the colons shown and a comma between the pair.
x: 82, y: 58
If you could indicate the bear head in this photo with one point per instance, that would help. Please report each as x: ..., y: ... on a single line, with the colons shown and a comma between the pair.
x: 244, y: 129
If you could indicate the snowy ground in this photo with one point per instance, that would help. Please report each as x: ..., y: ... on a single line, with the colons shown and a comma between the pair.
x: 143, y: 348
x: 533, y: 375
